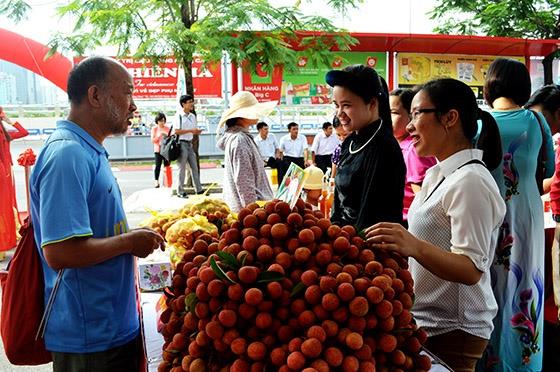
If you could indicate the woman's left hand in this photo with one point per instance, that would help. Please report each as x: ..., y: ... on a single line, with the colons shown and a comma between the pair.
x: 391, y: 236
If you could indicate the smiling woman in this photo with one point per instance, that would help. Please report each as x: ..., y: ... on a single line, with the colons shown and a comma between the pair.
x: 454, y: 222
x: 369, y: 183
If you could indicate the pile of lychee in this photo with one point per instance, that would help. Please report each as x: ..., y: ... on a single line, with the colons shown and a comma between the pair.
x: 284, y: 290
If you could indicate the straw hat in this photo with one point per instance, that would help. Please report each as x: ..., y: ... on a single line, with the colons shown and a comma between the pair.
x: 243, y: 104
x: 314, y: 180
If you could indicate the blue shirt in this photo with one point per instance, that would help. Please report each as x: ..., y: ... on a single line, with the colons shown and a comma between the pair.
x: 75, y: 194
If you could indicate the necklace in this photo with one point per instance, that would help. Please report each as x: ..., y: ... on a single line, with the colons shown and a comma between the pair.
x: 365, y: 144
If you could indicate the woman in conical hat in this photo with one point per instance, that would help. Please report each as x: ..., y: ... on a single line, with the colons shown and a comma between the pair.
x: 245, y: 179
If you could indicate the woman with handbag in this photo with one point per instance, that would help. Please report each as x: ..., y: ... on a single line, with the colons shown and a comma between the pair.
x: 245, y: 179
x: 518, y: 266
x: 8, y: 205
x: 159, y: 131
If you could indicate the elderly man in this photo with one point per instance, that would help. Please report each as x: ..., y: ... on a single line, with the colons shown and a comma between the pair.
x: 81, y: 228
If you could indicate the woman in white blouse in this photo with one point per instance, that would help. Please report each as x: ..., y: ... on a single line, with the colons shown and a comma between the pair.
x: 453, y: 222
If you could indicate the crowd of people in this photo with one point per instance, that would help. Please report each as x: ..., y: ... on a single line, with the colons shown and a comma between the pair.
x: 423, y: 172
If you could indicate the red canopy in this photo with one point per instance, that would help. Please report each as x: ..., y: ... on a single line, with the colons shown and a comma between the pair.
x: 30, y: 54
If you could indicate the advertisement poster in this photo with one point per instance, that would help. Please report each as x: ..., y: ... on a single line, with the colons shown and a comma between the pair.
x: 307, y: 85
x: 417, y: 68
x: 160, y: 82
x: 291, y: 186
x: 266, y: 86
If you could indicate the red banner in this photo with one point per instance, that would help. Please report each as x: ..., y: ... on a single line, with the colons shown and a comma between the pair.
x: 265, y: 86
x: 207, y: 82
x: 160, y: 82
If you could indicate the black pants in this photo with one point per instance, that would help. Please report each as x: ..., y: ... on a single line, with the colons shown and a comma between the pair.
x: 159, y: 159
x: 272, y: 162
x: 123, y: 358
x: 551, y: 345
x: 323, y: 162
x: 285, y: 164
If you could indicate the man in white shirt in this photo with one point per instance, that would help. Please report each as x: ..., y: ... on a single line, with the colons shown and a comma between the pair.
x: 323, y: 147
x: 294, y: 149
x: 185, y: 127
x: 268, y: 146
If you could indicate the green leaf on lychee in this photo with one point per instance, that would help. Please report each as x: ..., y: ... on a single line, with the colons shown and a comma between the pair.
x: 269, y: 276
x: 190, y: 302
x: 297, y: 289
x: 243, y: 259
x: 220, y: 272
x: 228, y: 260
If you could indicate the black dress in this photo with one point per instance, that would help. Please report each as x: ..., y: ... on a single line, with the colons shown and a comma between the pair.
x: 370, y: 182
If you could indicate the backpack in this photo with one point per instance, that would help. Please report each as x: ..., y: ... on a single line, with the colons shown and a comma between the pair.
x: 23, y: 311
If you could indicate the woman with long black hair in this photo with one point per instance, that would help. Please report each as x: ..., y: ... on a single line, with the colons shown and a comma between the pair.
x: 369, y: 183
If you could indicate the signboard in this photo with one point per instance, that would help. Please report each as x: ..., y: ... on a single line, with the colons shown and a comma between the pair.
x: 307, y: 85
x: 207, y: 82
x: 160, y: 82
x: 418, y: 68
x: 266, y: 86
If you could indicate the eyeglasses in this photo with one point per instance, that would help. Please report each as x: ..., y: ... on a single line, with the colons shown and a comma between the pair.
x: 414, y: 114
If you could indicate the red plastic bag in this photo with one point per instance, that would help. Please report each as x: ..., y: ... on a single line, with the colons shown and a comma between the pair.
x: 23, y: 303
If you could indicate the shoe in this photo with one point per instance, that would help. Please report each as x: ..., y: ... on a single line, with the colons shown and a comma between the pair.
x: 156, y: 185
x: 200, y: 192
x: 183, y: 195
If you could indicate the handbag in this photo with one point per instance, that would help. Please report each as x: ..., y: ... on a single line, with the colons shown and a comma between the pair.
x: 541, y: 159
x: 24, y: 314
x: 170, y: 147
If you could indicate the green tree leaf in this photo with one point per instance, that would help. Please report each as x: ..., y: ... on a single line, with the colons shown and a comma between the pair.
x: 254, y: 31
x: 538, y: 19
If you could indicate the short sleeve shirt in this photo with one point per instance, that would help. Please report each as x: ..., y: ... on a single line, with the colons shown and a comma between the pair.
x: 462, y: 215
x: 75, y: 194
x: 293, y: 148
x: 323, y: 145
x: 267, y: 147
x: 185, y: 121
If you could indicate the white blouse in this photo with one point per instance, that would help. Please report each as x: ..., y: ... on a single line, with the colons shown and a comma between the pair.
x: 462, y: 215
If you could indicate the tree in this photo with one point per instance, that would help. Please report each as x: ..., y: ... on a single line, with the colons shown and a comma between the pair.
x: 538, y: 19
x: 252, y: 31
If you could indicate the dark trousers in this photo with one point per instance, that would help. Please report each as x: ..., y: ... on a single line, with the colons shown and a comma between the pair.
x: 285, y: 164
x: 125, y: 358
x: 458, y: 349
x: 323, y: 162
x: 272, y: 162
x: 159, y: 160
x: 551, y: 345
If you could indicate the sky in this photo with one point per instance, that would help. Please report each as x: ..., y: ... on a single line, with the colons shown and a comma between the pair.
x: 391, y: 16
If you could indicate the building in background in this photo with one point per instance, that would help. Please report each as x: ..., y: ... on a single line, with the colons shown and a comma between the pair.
x: 8, y: 91
x: 21, y: 86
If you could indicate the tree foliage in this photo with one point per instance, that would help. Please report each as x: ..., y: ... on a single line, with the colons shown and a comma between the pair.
x: 539, y: 19
x: 254, y: 31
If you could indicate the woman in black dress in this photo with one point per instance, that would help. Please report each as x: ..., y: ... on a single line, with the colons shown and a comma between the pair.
x: 371, y: 173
